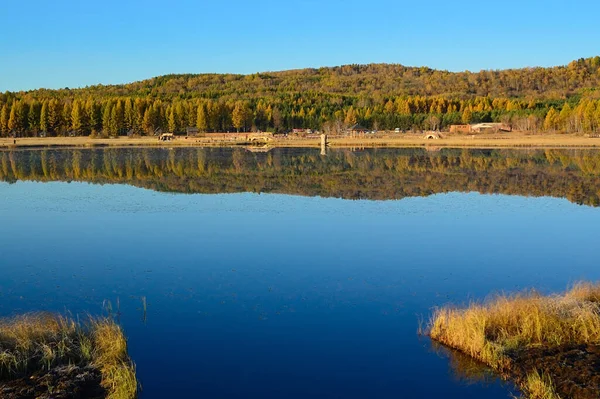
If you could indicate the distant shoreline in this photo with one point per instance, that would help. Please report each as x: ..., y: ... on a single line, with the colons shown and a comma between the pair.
x: 506, y: 140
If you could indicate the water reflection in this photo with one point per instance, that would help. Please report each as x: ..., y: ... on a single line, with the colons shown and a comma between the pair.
x: 366, y: 174
x: 465, y: 369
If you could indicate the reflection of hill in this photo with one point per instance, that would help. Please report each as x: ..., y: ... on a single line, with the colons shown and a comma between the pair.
x: 372, y: 174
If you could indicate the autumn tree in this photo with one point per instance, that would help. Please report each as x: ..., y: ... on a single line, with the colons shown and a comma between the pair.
x: 148, y: 121
x: 17, y: 120
x: 202, y: 118
x: 238, y: 116
x: 129, y: 116
x: 551, y: 121
x: 172, y: 120
x: 79, y: 122
x: 277, y: 118
x: 34, y: 117
x: 467, y: 116
x: 106, y: 118
x: 4, y: 117
x: 350, y: 119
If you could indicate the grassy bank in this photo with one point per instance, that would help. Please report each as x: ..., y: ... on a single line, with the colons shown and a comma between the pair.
x: 504, y: 140
x: 548, y: 344
x: 50, y: 356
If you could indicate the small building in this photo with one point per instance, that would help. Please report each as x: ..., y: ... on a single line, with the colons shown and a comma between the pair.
x: 356, y: 130
x: 481, y: 128
x: 460, y: 129
x: 191, y: 131
x: 490, y: 127
x: 166, y: 137
x: 302, y: 131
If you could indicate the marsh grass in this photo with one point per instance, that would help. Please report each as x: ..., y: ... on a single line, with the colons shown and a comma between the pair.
x: 539, y: 386
x: 35, y: 343
x: 494, y: 332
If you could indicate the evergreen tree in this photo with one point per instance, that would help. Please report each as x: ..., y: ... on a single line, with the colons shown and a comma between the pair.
x: 18, y: 118
x: 44, y: 117
x: 107, y: 118
x: 55, y: 113
x: 148, y: 121
x: 597, y: 116
x: 551, y: 121
x: 79, y: 121
x: 172, y: 122
x: 238, y: 116
x: 351, y: 118
x: 564, y: 118
x: 94, y: 115
x: 4, y: 117
x: 180, y: 116
x: 139, y: 107
x: 261, y: 118
x: 202, y: 118
x: 67, y: 109
x: 589, y: 117
x: 467, y: 116
x: 277, y: 119
x: 14, y: 122
x: 130, y: 116
x: 118, y: 118
x: 34, y: 116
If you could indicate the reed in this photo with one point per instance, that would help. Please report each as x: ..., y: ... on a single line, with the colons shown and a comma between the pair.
x: 495, y: 332
x: 36, y: 343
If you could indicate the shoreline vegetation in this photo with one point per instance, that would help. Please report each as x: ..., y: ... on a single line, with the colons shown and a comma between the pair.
x: 448, y: 140
x: 48, y: 356
x: 548, y: 345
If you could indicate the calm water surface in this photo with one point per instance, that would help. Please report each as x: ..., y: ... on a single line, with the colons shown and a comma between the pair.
x: 275, y: 295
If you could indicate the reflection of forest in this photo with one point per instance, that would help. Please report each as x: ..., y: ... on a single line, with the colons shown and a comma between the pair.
x: 371, y: 174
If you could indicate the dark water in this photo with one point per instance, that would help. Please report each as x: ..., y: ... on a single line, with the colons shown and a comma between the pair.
x: 300, y: 292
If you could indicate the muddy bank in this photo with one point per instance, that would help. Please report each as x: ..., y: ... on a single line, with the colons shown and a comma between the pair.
x: 574, y: 369
x: 49, y: 356
x: 65, y: 382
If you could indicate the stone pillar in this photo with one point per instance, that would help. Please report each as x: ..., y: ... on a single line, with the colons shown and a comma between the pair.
x: 323, y: 144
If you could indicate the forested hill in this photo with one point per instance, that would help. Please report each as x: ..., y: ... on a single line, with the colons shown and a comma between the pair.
x: 373, y: 80
x: 377, y: 96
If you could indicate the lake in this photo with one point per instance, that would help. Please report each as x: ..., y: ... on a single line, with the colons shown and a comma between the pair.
x: 288, y: 273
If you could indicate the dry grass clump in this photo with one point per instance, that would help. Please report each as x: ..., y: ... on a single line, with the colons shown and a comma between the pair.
x: 110, y: 356
x: 488, y: 331
x: 495, y: 331
x: 539, y: 386
x: 35, y: 343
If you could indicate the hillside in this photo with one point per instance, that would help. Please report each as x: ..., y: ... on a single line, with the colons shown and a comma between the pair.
x: 379, y: 96
x: 364, y: 80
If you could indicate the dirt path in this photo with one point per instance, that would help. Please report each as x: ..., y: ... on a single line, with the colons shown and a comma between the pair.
x: 510, y: 140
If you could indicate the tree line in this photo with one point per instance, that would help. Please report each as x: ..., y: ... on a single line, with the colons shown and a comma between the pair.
x: 379, y: 97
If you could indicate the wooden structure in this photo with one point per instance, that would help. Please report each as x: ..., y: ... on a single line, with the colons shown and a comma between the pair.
x: 302, y: 131
x: 356, y: 130
x: 460, y: 129
x: 191, y: 131
x: 481, y: 128
x: 490, y: 127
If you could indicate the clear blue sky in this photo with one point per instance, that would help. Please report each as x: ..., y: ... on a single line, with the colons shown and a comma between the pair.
x: 76, y: 43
